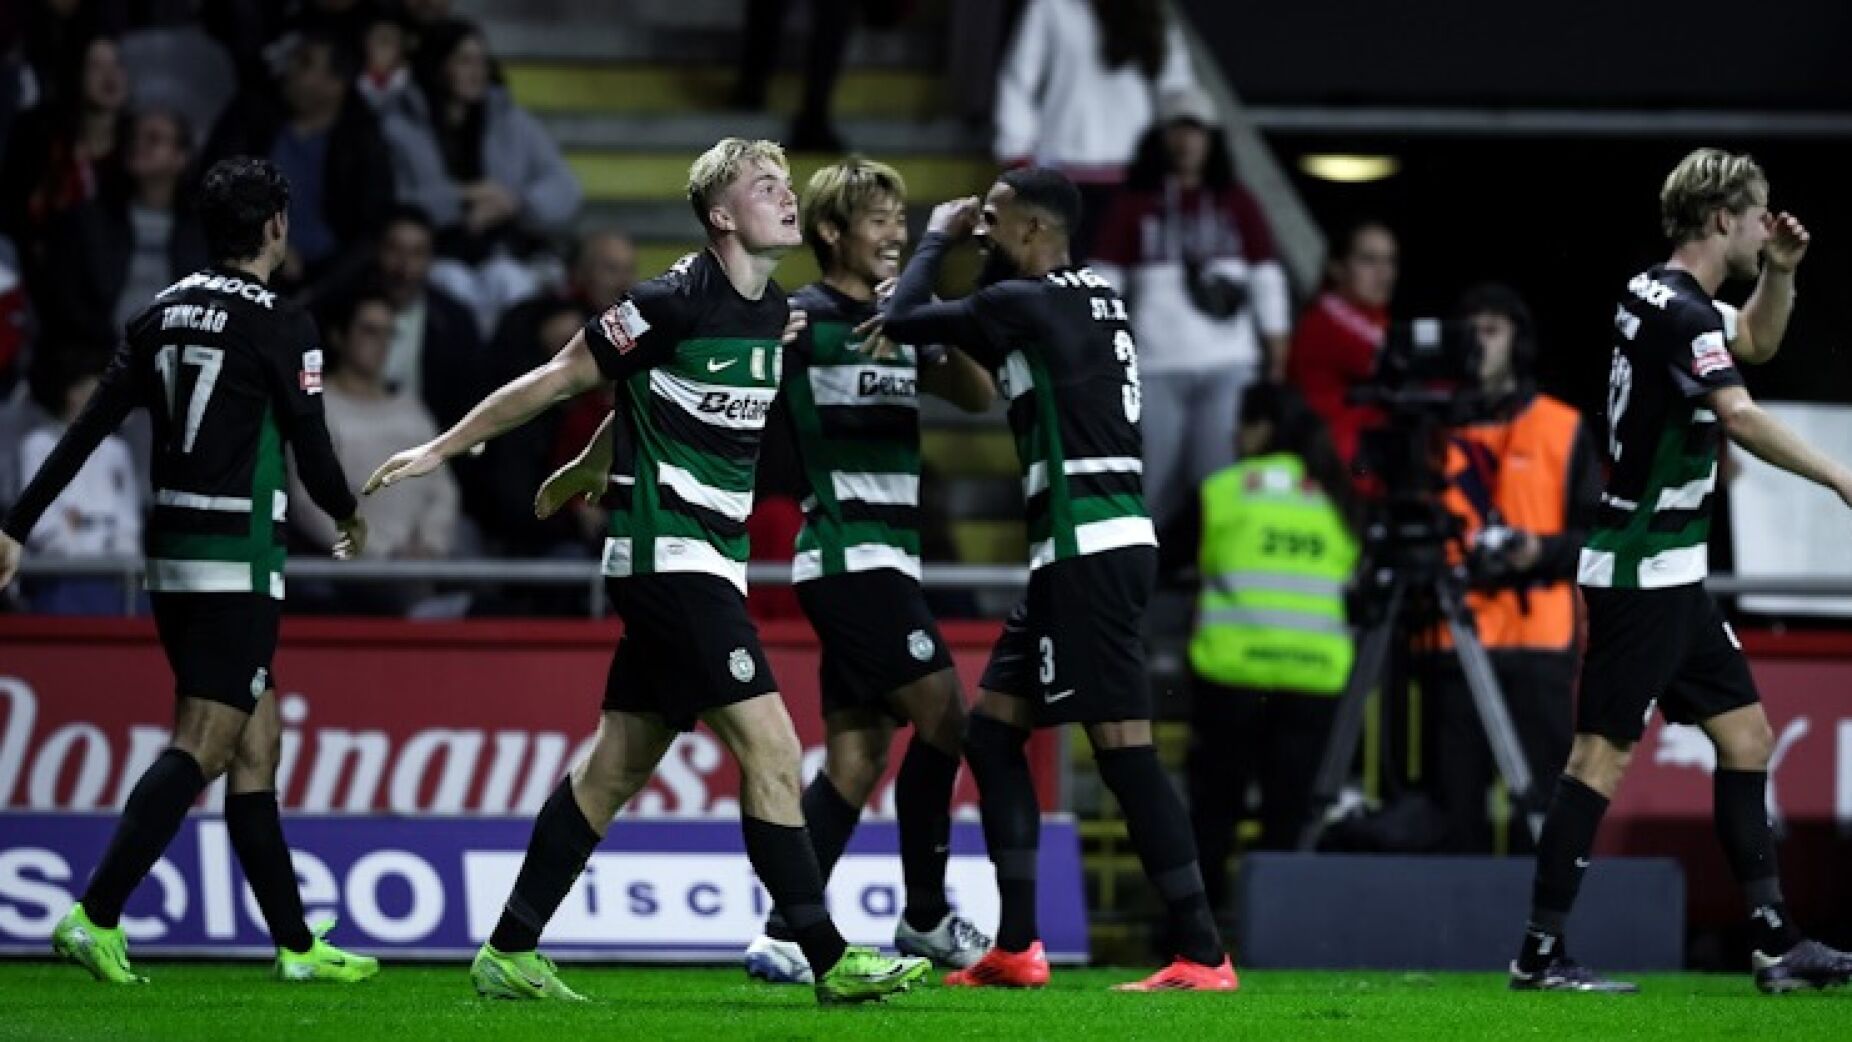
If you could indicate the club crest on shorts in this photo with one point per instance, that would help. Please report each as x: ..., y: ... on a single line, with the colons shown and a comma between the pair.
x: 919, y: 645
x: 741, y: 665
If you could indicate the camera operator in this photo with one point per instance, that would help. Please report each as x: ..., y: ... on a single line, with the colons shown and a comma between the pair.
x: 1526, y: 484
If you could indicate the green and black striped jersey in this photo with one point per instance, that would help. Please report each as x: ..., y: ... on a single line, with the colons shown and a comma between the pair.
x: 697, y: 367
x: 230, y: 373
x: 1671, y: 349
x: 856, y: 423
x: 1066, y: 362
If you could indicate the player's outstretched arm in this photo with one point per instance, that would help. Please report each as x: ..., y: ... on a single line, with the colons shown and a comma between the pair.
x: 1765, y: 314
x: 585, y: 475
x: 566, y: 374
x: 1772, y: 442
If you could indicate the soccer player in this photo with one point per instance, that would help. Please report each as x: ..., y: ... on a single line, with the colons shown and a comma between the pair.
x: 855, y: 417
x: 229, y: 372
x: 696, y: 354
x: 1057, y: 337
x: 1655, y: 636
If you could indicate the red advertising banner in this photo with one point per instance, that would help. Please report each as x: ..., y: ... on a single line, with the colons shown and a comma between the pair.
x: 394, y: 717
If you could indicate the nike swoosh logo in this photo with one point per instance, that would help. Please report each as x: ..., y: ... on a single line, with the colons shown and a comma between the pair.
x: 1053, y: 697
x: 715, y: 365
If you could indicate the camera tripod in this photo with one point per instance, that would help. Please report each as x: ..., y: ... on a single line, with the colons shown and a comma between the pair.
x: 1419, y: 571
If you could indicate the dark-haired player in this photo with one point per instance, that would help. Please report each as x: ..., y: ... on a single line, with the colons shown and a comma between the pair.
x: 230, y: 373
x: 1655, y: 636
x: 1057, y: 338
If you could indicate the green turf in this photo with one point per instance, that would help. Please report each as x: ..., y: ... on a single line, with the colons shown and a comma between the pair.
x: 200, y: 1003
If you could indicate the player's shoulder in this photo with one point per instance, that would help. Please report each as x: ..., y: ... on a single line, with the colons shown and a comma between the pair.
x: 1673, y: 299
x: 820, y: 303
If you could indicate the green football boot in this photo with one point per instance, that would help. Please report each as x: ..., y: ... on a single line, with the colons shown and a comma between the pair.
x: 520, y: 975
x: 865, y: 975
x: 323, y: 961
x: 105, y: 953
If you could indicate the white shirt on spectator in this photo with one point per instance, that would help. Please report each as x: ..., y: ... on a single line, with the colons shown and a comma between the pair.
x: 99, y: 513
x: 1059, y: 105
x: 410, y: 518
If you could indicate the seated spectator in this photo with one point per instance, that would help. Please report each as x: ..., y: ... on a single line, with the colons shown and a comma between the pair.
x: 1335, y: 346
x: 485, y: 170
x: 1193, y: 256
x: 368, y: 421
x: 56, y: 33
x: 327, y: 142
x: 385, y: 64
x: 63, y: 150
x: 603, y: 268
x: 99, y: 514
x: 1076, y: 90
x: 436, y: 355
x: 108, y: 257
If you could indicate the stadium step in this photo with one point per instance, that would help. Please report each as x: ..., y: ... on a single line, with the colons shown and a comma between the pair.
x: 662, y: 176
x: 692, y: 131
x: 556, y: 86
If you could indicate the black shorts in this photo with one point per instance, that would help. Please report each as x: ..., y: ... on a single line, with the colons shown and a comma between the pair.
x: 877, y: 634
x: 1669, y: 646
x: 688, y: 647
x: 1073, y: 647
x: 219, y: 644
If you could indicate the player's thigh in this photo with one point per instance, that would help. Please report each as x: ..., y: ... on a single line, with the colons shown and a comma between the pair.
x: 878, y: 637
x: 855, y: 743
x: 1010, y: 687
x: 1087, y: 620
x: 689, y: 647
x: 1637, y: 644
x: 1715, y: 689
x: 254, y: 767
x: 759, y: 733
x: 627, y: 748
x: 935, y: 705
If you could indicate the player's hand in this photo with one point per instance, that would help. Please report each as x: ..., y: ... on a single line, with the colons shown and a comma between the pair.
x: 875, y: 343
x: 1525, y: 551
x: 955, y: 219
x: 1787, y: 242
x: 884, y: 290
x: 10, y: 555
x: 412, y: 463
x: 583, y: 478
x: 794, y: 325
x: 353, y: 538
x: 1843, y: 487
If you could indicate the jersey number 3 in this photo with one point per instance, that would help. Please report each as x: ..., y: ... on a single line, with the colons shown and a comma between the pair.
x: 168, y: 361
x: 1132, y: 394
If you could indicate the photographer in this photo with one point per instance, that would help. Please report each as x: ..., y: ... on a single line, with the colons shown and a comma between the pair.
x: 1526, y: 484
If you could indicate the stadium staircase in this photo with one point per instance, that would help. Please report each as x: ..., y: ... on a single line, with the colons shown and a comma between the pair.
x: 632, y: 91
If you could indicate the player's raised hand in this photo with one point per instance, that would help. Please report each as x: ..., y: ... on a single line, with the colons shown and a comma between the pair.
x: 585, y: 477
x: 955, y: 219
x: 352, y: 540
x: 875, y: 343
x: 414, y: 462
x: 793, y: 326
x: 1787, y: 241
x: 10, y: 554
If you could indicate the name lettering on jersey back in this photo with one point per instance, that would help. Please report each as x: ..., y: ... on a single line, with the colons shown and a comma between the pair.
x: 201, y: 317
x: 230, y: 285
x: 749, y: 410
x: 1650, y: 290
x: 1078, y: 278
x: 886, y: 385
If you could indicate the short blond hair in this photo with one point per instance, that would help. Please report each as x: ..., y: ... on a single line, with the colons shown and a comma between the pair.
x: 839, y: 192
x: 1707, y: 180
x: 721, y: 165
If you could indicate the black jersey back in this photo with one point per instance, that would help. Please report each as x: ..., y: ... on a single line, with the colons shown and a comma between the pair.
x: 1671, y: 349
x: 225, y: 368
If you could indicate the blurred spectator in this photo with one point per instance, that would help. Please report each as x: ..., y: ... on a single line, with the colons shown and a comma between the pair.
x: 369, y: 422
x: 56, y: 34
x: 499, y: 486
x: 385, y: 64
x: 327, y: 142
x: 179, y: 66
x: 486, y: 171
x: 343, y: 20
x: 109, y: 256
x: 15, y: 322
x: 63, y: 150
x: 1194, y: 257
x: 1272, y: 648
x: 99, y: 513
x: 1335, y: 346
x: 603, y: 268
x: 1076, y: 92
x: 436, y: 355
x: 1526, y: 484
x: 830, y: 23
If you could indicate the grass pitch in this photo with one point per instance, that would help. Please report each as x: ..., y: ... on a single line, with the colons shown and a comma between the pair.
x: 196, y: 1002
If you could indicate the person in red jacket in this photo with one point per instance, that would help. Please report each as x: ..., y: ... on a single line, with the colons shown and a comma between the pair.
x: 1335, y: 346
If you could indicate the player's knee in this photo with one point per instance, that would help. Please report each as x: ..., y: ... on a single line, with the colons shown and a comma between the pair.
x: 855, y: 772
x: 991, y: 743
x: 1599, y: 763
x: 1748, y: 746
x: 214, y: 758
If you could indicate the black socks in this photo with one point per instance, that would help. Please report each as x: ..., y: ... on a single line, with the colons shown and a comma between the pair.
x: 786, y: 864
x: 1740, y: 811
x: 1160, y: 833
x: 1562, y: 857
x: 257, y: 837
x: 557, y: 851
x: 831, y: 820
x: 1012, y: 823
x: 149, y: 820
x: 923, y: 803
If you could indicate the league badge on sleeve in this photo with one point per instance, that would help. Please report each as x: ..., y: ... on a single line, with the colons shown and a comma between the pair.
x: 1709, y: 354
x: 310, y: 378
x: 622, y: 324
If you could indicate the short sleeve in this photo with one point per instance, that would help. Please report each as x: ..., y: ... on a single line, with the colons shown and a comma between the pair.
x: 1699, y: 359
x: 641, y: 330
